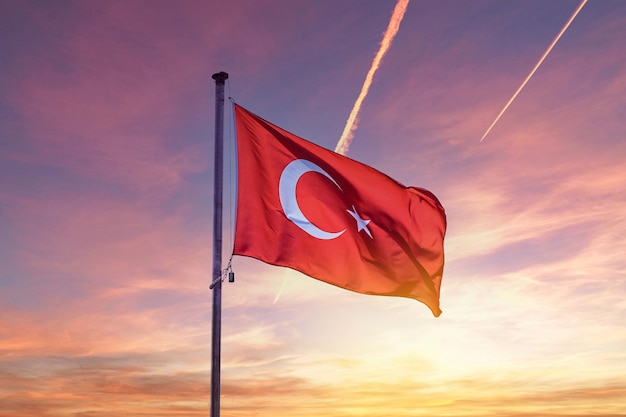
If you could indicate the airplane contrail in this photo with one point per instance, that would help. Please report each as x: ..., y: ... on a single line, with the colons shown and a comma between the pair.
x: 392, y: 29
x: 282, y: 287
x: 545, y: 54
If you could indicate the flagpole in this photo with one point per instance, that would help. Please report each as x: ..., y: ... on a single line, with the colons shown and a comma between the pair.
x: 216, y: 284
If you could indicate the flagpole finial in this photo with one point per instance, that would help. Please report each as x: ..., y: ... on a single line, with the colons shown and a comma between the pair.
x: 220, y: 77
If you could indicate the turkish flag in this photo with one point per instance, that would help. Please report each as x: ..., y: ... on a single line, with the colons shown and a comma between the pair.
x: 335, y: 219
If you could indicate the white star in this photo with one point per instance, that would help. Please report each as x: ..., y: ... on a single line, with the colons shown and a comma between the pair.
x: 361, y: 223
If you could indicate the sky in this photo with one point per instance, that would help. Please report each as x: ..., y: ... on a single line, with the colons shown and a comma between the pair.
x: 106, y: 186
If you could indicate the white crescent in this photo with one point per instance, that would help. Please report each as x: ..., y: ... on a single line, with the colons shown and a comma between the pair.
x: 287, y: 193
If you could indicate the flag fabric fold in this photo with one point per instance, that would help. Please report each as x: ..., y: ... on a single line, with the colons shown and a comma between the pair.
x: 334, y: 219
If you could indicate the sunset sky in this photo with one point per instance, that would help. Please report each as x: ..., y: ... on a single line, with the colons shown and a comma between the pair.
x: 106, y: 166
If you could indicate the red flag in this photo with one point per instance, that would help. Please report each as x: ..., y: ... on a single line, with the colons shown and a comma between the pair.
x: 333, y: 218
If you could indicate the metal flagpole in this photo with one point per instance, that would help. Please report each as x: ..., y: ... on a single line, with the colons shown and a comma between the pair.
x: 216, y: 285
